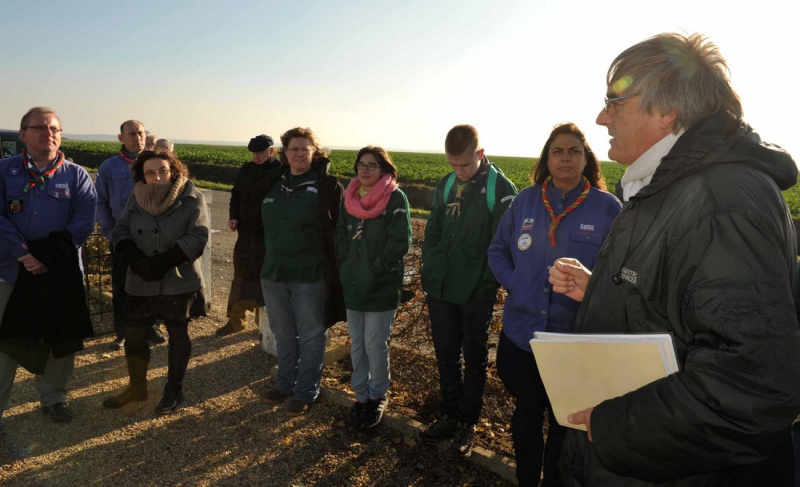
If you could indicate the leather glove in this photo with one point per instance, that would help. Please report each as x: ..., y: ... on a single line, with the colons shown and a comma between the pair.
x: 162, y: 263
x: 128, y: 249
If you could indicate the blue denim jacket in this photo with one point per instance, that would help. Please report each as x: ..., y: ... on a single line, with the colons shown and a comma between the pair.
x: 520, y: 256
x: 67, y: 202
x: 114, y: 185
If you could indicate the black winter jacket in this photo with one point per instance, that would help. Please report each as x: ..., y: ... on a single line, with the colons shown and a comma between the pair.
x: 47, y: 311
x: 706, y: 251
x: 245, y: 206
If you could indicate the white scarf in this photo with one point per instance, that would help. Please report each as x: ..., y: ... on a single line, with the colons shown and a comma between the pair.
x: 639, y: 174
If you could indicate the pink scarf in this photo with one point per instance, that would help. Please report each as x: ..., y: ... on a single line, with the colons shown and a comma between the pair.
x: 371, y: 204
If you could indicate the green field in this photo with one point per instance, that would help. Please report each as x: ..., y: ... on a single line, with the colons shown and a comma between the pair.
x: 216, y: 165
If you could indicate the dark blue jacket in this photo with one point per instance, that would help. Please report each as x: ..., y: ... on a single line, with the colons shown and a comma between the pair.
x: 67, y: 202
x: 520, y: 256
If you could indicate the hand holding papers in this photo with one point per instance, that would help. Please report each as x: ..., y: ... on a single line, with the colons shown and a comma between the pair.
x: 581, y: 371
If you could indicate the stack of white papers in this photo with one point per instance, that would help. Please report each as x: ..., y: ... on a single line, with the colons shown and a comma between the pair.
x: 581, y: 371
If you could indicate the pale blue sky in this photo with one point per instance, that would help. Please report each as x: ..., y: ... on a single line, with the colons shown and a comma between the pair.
x: 397, y: 74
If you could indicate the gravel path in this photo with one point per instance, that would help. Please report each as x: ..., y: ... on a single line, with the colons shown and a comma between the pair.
x: 224, y: 433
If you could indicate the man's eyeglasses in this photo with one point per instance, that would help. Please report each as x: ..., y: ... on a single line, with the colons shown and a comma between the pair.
x: 609, y: 101
x: 369, y: 167
x: 44, y: 128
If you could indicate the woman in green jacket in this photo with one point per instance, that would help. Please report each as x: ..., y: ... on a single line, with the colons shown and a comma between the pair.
x: 372, y: 237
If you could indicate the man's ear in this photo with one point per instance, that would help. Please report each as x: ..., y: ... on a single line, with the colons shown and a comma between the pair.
x: 119, y: 138
x: 480, y: 154
x: 666, y: 121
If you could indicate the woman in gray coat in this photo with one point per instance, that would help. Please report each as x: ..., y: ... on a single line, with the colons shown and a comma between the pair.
x: 162, y: 232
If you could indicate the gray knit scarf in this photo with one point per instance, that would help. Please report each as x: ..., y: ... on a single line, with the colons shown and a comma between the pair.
x: 158, y: 198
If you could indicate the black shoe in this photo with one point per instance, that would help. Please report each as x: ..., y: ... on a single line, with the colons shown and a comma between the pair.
x: 59, y: 412
x: 356, y: 419
x: 155, y: 336
x: 374, y: 412
x: 463, y: 440
x: 297, y: 407
x: 118, y: 344
x: 169, y: 402
x: 274, y: 396
x: 229, y: 329
x: 441, y: 429
x: 127, y: 396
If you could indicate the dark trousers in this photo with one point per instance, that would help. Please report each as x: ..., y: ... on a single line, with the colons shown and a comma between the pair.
x: 119, y: 272
x: 520, y: 375
x: 137, y: 352
x: 238, y: 302
x: 458, y: 328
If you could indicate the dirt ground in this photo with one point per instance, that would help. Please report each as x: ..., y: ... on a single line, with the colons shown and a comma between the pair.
x: 224, y: 433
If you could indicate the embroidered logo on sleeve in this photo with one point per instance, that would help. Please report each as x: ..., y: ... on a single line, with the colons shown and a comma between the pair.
x: 587, y: 228
x: 14, y: 171
x: 15, y: 206
x: 527, y: 224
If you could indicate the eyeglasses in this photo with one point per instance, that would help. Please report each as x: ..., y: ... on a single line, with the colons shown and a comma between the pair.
x: 161, y: 172
x: 609, y: 101
x: 369, y: 167
x: 44, y: 128
x: 299, y: 150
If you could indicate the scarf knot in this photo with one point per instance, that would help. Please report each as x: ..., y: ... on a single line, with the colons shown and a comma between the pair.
x: 374, y: 202
x: 35, y: 177
x: 555, y: 220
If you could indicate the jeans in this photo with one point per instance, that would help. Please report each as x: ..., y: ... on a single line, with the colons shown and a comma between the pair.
x: 296, y: 313
x: 51, y: 386
x: 137, y: 353
x: 520, y: 375
x: 457, y: 328
x: 369, y: 350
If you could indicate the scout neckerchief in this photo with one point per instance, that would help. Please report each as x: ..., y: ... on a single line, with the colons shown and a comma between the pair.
x: 35, y: 177
x: 555, y: 220
x: 126, y: 156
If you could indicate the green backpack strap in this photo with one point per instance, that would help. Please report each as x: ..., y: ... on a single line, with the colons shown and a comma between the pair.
x: 490, y: 188
x: 491, y: 184
x: 447, y: 186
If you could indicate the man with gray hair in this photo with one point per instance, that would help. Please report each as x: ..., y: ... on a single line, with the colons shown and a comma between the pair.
x: 705, y: 250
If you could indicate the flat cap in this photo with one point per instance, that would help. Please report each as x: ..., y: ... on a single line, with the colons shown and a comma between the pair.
x: 259, y: 143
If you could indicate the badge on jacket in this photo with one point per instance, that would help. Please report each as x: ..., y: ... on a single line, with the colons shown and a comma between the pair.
x: 524, y: 242
x: 15, y: 206
x: 527, y: 224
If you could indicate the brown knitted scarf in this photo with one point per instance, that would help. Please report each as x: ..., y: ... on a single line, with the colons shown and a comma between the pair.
x: 157, y: 198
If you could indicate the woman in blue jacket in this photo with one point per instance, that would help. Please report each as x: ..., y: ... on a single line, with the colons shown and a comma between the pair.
x: 566, y: 213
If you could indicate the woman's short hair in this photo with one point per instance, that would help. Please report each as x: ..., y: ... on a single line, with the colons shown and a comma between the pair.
x: 686, y: 75
x: 384, y: 159
x: 300, y: 133
x: 176, y: 167
x: 591, y: 172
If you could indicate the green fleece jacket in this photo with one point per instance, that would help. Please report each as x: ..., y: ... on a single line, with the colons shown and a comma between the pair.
x: 454, y: 254
x: 371, y: 267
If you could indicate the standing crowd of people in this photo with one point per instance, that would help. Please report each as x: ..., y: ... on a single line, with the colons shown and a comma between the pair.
x: 701, y: 246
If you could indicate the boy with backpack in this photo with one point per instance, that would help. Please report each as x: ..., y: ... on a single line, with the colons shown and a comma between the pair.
x: 460, y: 288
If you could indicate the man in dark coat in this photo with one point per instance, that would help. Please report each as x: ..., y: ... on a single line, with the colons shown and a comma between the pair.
x: 245, y: 218
x: 704, y: 249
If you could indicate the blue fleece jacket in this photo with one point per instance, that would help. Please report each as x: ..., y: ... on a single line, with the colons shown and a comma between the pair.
x: 67, y: 202
x: 520, y: 256
x: 114, y: 184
